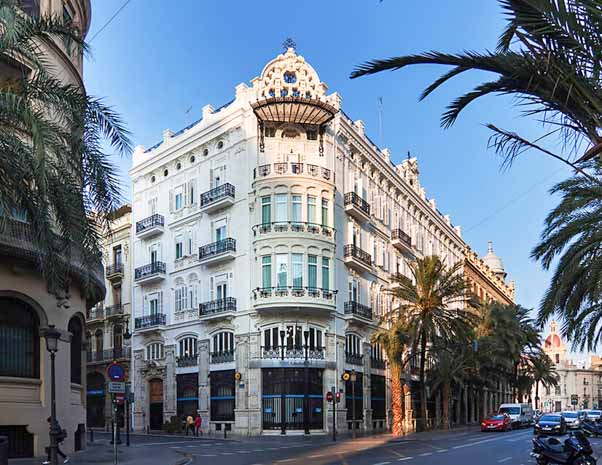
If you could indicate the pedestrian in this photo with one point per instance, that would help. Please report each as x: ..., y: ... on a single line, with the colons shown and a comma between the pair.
x: 60, y: 438
x: 189, y: 425
x: 197, y: 425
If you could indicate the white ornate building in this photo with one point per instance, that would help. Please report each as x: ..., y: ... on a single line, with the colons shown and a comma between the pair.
x: 265, y: 234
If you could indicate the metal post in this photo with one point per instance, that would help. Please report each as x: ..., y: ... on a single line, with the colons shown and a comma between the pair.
x: 127, y: 419
x: 334, y: 414
x: 114, y: 409
x: 353, y: 379
x: 54, y: 427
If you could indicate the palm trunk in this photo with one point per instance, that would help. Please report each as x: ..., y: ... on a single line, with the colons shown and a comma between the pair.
x: 396, y: 398
x: 423, y: 381
x: 536, y: 395
x: 446, y: 394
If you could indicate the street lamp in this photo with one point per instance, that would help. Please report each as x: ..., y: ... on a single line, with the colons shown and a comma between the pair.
x: 353, y: 379
x: 52, y: 336
x: 282, y: 399
x: 127, y: 336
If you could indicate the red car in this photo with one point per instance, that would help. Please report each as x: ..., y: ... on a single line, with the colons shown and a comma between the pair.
x: 496, y: 422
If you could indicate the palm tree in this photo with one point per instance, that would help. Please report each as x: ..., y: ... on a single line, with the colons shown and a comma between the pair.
x: 543, y: 371
x: 549, y: 59
x: 393, y: 341
x: 572, y: 231
x: 432, y: 309
x: 53, y: 167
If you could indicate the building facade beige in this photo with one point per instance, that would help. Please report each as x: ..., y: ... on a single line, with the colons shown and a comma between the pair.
x: 487, y: 278
x: 27, y: 306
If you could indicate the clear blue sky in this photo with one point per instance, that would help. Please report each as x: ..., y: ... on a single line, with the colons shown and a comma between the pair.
x: 158, y: 58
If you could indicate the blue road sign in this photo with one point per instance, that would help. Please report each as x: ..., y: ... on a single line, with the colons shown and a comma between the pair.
x: 115, y: 372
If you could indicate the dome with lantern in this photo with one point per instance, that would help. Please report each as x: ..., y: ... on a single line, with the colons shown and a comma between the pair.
x: 494, y: 262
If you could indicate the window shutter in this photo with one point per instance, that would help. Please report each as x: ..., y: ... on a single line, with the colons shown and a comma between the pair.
x: 171, y: 201
x: 160, y: 310
x: 184, y: 194
x: 192, y: 191
x: 211, y: 289
x: 146, y: 310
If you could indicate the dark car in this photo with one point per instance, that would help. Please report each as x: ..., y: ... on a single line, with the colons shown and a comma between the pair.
x: 550, y: 423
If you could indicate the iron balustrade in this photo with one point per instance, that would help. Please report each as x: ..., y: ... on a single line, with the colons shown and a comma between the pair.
x: 217, y: 248
x: 187, y: 361
x: 222, y: 357
x: 114, y: 269
x: 377, y: 363
x: 293, y: 291
x: 294, y: 226
x: 293, y: 352
x: 96, y: 313
x: 402, y: 236
x: 355, y: 308
x: 150, y: 222
x: 149, y: 321
x: 108, y: 355
x: 351, y: 198
x: 218, y: 193
x: 212, y: 307
x: 280, y: 168
x: 149, y: 270
x: 295, y: 168
x: 114, y: 310
x: 355, y: 252
x: 354, y: 359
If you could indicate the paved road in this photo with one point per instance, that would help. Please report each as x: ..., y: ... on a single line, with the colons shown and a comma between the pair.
x: 453, y: 448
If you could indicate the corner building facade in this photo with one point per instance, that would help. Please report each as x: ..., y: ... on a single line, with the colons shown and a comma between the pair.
x: 265, y: 235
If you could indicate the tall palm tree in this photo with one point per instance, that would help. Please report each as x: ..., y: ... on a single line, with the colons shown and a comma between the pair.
x: 432, y: 307
x: 573, y: 233
x: 549, y: 59
x: 394, y: 340
x: 543, y: 371
x: 53, y: 166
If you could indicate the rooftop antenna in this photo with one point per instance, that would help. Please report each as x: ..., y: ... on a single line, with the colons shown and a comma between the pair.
x: 289, y: 43
x: 380, y: 120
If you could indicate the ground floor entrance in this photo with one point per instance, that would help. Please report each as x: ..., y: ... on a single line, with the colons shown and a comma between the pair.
x: 155, y: 388
x: 292, y: 399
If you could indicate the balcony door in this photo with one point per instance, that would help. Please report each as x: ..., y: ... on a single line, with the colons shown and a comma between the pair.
x: 154, y: 252
x: 218, y: 176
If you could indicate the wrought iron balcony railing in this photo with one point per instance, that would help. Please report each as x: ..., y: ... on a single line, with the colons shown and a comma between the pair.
x: 351, y: 198
x: 108, y: 355
x: 401, y: 235
x: 116, y: 268
x: 355, y: 308
x: 148, y: 321
x: 218, y: 193
x: 354, y: 251
x: 292, y: 291
x: 217, y: 248
x: 293, y: 168
x: 377, y: 363
x: 149, y: 270
x: 212, y: 307
x: 295, y: 227
x: 187, y: 361
x: 222, y: 357
x: 293, y: 352
x: 96, y: 314
x: 150, y: 222
x: 354, y: 359
x: 114, y: 310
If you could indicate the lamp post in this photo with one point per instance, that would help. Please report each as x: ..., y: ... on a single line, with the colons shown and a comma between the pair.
x: 282, y: 398
x: 306, y: 384
x: 52, y: 346
x: 353, y: 379
x: 127, y: 336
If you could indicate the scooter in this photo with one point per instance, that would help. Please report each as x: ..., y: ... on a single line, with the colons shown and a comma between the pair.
x: 574, y: 450
x: 591, y: 427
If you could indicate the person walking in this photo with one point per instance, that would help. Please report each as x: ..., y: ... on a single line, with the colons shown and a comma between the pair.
x: 197, y: 425
x: 189, y: 425
x: 59, y: 439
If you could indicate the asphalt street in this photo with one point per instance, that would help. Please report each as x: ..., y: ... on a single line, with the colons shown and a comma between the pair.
x: 452, y: 448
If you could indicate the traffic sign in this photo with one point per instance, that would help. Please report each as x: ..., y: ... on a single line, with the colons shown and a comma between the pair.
x: 346, y: 376
x: 329, y: 396
x: 574, y: 399
x: 116, y: 387
x: 115, y: 372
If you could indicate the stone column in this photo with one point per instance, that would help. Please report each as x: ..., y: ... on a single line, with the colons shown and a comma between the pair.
x: 367, y: 384
x: 170, y: 406
x: 204, y: 390
x: 255, y: 385
x: 241, y: 411
x: 140, y: 407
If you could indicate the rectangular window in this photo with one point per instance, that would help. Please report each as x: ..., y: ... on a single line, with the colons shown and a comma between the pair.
x: 154, y: 306
x: 220, y: 233
x: 281, y: 208
x: 297, y: 260
x: 179, y: 247
x: 325, y: 212
x: 282, y: 270
x: 152, y: 206
x: 179, y: 198
x: 266, y: 210
x: 266, y: 271
x: 296, y: 208
x: 325, y: 273
x: 312, y: 271
x: 117, y: 256
x: 311, y: 209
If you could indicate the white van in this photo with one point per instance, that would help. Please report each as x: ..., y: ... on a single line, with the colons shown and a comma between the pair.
x: 520, y: 414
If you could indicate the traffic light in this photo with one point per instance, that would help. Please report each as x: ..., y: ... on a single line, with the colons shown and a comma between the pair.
x: 338, y: 397
x: 329, y: 396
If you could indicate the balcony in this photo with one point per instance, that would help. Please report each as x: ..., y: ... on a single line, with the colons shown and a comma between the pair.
x: 377, y: 363
x: 358, y: 259
x: 401, y: 241
x: 307, y: 230
x: 114, y: 273
x: 114, y: 310
x: 187, y: 361
x: 218, y: 252
x: 306, y: 298
x: 151, y: 226
x: 151, y: 273
x: 293, y: 169
x: 109, y: 355
x: 354, y: 359
x: 95, y: 314
x: 357, y: 207
x: 358, y: 311
x: 147, y: 322
x: 293, y: 353
x: 218, y: 308
x: 218, y: 198
x: 222, y: 357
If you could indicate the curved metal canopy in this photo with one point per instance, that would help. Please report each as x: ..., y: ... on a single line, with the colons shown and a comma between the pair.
x: 300, y: 110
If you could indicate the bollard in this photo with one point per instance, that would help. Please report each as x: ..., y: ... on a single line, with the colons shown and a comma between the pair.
x: 225, y: 436
x: 91, y: 435
x: 3, y: 450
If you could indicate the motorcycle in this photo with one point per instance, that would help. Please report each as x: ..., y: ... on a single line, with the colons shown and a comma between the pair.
x: 574, y: 450
x: 591, y: 427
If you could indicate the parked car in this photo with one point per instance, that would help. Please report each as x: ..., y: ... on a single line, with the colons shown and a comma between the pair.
x: 520, y: 414
x: 496, y: 422
x: 593, y: 414
x: 550, y: 423
x: 573, y: 419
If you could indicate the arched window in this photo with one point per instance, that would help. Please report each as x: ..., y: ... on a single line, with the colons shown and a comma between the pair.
x: 99, y: 343
x: 19, y: 340
x: 76, y: 330
x: 154, y: 351
x: 188, y: 347
x: 222, y: 342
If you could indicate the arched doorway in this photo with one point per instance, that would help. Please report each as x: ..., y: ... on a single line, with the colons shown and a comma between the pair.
x: 155, y: 398
x: 96, y: 400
